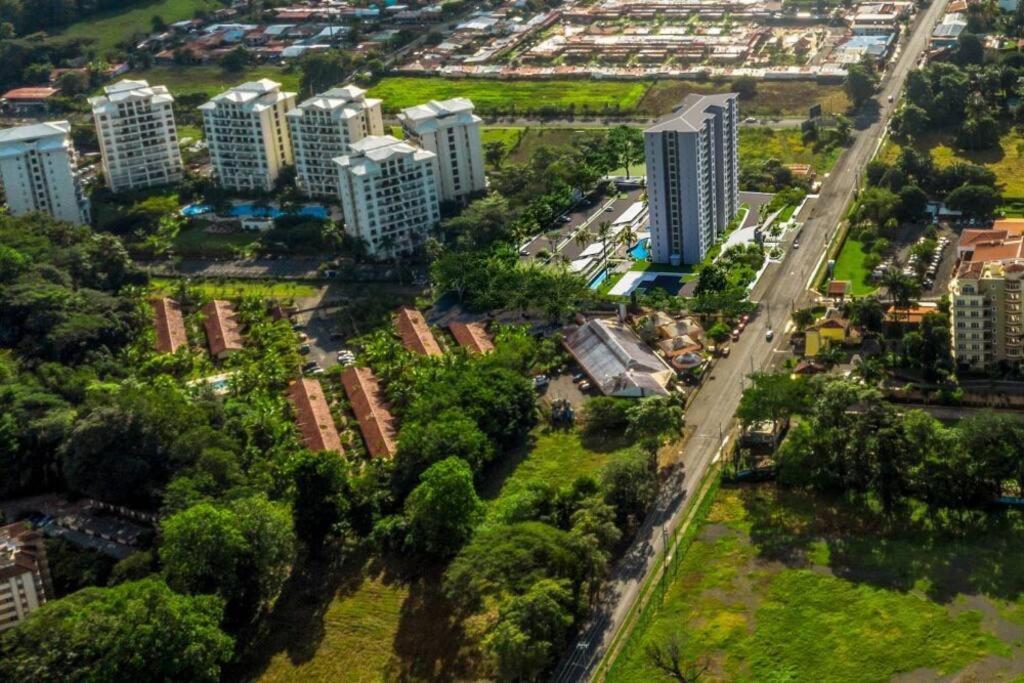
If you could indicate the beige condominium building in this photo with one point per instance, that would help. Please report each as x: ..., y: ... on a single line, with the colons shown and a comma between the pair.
x: 985, y: 300
x: 451, y: 131
x: 388, y: 194
x: 137, y: 136
x: 24, y: 573
x: 39, y: 172
x: 248, y: 135
x: 323, y: 127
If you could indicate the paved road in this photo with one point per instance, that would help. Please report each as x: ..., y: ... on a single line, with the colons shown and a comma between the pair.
x: 782, y: 287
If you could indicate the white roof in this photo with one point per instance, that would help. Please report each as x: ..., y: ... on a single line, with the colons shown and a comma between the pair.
x: 372, y: 151
x: 630, y: 214
x: 127, y: 90
x: 254, y: 95
x: 34, y: 131
x: 427, y: 117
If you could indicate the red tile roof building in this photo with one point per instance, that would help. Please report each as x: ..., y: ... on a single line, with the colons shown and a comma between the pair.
x: 313, y: 416
x: 222, y: 328
x: 472, y: 336
x: 375, y: 420
x: 169, y: 325
x: 416, y: 334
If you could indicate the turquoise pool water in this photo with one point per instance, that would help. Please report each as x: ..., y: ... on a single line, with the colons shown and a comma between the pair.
x: 639, y: 251
x: 254, y: 211
x: 598, y: 279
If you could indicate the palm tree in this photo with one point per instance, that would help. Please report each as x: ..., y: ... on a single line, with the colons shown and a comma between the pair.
x: 902, y: 290
x: 830, y: 356
x: 628, y: 236
x: 604, y: 233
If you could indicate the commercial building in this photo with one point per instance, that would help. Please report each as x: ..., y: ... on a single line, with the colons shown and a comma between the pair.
x: 985, y: 303
x: 38, y: 171
x: 323, y: 127
x: 450, y: 130
x: 692, y: 177
x: 617, y: 360
x: 137, y: 135
x: 388, y: 194
x: 25, y: 582
x: 313, y: 416
x: 248, y: 135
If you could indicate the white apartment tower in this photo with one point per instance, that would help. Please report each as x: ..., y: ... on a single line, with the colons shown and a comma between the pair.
x: 388, y: 194
x: 38, y: 172
x: 137, y: 135
x: 24, y: 573
x: 248, y: 135
x: 450, y: 130
x: 323, y: 127
x: 692, y: 177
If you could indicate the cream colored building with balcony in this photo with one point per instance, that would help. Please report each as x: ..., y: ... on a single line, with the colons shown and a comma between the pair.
x: 987, y: 312
x: 137, y: 135
x: 451, y: 131
x: 323, y: 127
x: 248, y: 135
x: 388, y: 194
x: 39, y: 172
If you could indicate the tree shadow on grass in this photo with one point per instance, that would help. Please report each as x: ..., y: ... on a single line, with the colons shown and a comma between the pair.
x: 947, y: 555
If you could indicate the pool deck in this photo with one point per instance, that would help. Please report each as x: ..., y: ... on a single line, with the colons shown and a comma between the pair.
x: 634, y: 278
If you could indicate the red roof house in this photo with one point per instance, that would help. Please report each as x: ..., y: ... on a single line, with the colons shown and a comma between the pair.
x: 416, y: 334
x: 222, y: 328
x: 313, y: 415
x: 472, y: 336
x: 375, y: 420
x: 169, y: 325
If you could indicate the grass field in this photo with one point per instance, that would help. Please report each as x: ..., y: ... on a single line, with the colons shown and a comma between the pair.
x: 760, y: 144
x: 234, y: 289
x: 193, y: 240
x: 1006, y: 161
x: 850, y: 267
x: 507, y: 135
x: 786, y: 586
x: 111, y: 28
x: 782, y: 98
x: 212, y: 79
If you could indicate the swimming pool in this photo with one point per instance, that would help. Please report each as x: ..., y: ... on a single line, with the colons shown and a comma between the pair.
x: 252, y: 210
x: 639, y: 251
x: 598, y: 279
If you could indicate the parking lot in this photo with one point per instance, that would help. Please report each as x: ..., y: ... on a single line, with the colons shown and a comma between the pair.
x: 592, y: 209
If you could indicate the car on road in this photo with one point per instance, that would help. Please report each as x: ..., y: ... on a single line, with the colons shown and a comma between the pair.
x: 890, y: 98
x: 608, y: 209
x: 735, y: 335
x: 769, y: 335
x: 750, y: 119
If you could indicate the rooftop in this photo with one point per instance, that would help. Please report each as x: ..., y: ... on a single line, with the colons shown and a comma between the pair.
x: 40, y: 93
x: 375, y: 421
x: 691, y: 114
x: 222, y: 327
x: 313, y: 415
x: 35, y: 131
x: 415, y: 333
x: 617, y: 360
x: 169, y: 325
x: 472, y: 336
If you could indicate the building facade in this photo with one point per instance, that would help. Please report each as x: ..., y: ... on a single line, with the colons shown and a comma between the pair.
x: 38, y: 170
x: 986, y: 312
x: 323, y: 127
x: 248, y: 135
x: 692, y: 177
x: 388, y: 194
x: 451, y: 131
x: 137, y: 135
x: 25, y: 582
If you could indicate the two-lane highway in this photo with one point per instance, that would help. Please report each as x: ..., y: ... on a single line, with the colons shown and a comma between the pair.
x: 782, y: 287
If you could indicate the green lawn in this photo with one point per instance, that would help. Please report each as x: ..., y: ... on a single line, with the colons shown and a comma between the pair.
x: 111, y: 28
x: 1006, y: 161
x: 220, y: 288
x: 787, y: 212
x: 850, y: 267
x: 491, y: 95
x: 193, y: 132
x: 786, y: 586
x: 507, y: 135
x: 210, y: 80
x: 760, y: 144
x: 195, y: 241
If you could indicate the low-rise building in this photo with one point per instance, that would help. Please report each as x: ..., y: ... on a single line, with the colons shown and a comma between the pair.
x: 28, y: 101
x: 832, y: 330
x: 371, y: 410
x: 248, y: 135
x: 617, y: 361
x: 472, y: 336
x: 137, y: 135
x: 415, y: 333
x: 388, y: 194
x: 168, y: 325
x: 313, y: 416
x: 25, y: 582
x: 223, y: 329
x: 39, y: 172
x: 451, y: 131
x: 323, y: 127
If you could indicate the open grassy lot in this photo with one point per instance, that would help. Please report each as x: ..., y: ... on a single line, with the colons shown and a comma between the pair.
x: 193, y: 240
x: 507, y: 135
x: 1006, y: 161
x: 213, y: 79
x: 111, y: 28
x: 491, y: 95
x: 220, y: 288
x: 787, y: 586
x: 850, y: 267
x: 781, y: 98
x: 760, y: 144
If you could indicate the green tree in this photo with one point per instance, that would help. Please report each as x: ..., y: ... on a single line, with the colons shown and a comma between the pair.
x: 773, y: 397
x: 321, y: 499
x: 974, y: 201
x: 321, y: 70
x: 236, y: 60
x: 630, y: 486
x: 443, y: 509
x: 654, y: 416
x: 532, y: 630
x: 859, y: 84
x: 605, y: 415
x: 626, y: 145
x: 423, y: 443
x: 140, y: 631
x: 712, y: 279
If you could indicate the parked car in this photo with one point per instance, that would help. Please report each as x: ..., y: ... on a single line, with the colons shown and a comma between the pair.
x: 769, y: 335
x: 579, y: 377
x: 541, y: 381
x: 585, y: 385
x: 304, y: 349
x: 735, y: 335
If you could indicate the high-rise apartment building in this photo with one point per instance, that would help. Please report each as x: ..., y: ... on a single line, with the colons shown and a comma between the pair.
x: 451, y: 131
x: 692, y: 177
x: 25, y: 582
x: 137, y: 135
x: 985, y: 299
x: 38, y: 170
x: 388, y: 194
x: 248, y: 135
x: 323, y: 127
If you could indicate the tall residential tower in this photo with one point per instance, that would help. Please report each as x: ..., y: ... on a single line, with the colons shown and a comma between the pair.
x: 451, y: 131
x: 137, y: 135
x: 323, y: 127
x: 692, y: 177
x: 39, y: 173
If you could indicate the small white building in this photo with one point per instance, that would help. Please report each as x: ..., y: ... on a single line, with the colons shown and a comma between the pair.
x: 388, y: 194
x: 38, y: 172
x: 247, y: 134
x: 323, y: 127
x: 451, y: 131
x: 137, y: 135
